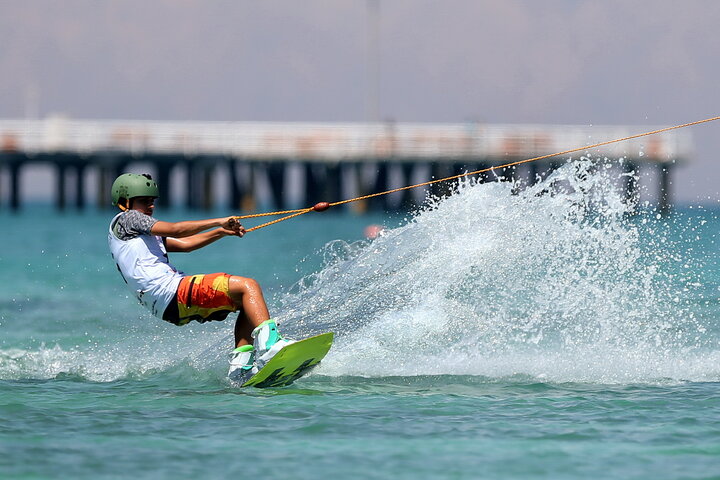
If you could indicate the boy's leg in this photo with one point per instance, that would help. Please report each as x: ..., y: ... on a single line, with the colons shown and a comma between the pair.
x: 243, y: 330
x: 253, y: 325
x: 247, y: 296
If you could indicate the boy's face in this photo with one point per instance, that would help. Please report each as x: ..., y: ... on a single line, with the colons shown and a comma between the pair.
x: 145, y: 205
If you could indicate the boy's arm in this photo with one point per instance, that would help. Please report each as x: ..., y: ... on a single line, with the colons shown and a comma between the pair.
x: 192, y: 227
x: 193, y: 242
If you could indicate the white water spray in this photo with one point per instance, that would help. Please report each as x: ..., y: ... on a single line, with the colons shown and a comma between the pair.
x: 552, y: 282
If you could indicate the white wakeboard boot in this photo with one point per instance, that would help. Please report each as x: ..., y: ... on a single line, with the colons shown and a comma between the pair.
x: 242, y: 364
x: 267, y: 342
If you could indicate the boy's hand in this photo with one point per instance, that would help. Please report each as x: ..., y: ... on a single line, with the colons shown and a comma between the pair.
x: 233, y: 227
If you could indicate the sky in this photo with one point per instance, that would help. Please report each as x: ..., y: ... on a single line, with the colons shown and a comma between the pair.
x: 630, y: 62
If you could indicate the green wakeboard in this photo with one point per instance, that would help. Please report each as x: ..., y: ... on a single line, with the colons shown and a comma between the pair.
x: 292, y: 362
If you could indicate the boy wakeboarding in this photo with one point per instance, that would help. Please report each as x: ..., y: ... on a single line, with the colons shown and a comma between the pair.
x: 140, y: 244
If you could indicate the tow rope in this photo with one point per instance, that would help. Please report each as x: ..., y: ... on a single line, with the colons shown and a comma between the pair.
x: 322, y: 206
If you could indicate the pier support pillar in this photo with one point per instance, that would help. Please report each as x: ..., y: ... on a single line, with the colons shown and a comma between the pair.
x: 249, y: 198
x: 241, y: 173
x: 276, y: 178
x: 380, y: 184
x: 664, y: 200
x: 236, y: 190
x: 438, y: 171
x: 164, y: 169
x: 80, y: 186
x: 15, y: 167
x: 407, y: 199
x: 207, y: 186
x: 510, y: 174
x: 533, y: 172
x: 60, y: 185
x: 191, y: 189
x: 358, y: 186
x: 333, y: 183
x: 314, y: 180
x: 110, y: 166
x: 103, y: 185
x: 630, y: 183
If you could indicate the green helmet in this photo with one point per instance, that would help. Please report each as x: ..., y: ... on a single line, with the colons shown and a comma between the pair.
x: 131, y: 185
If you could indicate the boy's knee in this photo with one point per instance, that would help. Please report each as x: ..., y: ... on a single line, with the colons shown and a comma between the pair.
x: 244, y: 284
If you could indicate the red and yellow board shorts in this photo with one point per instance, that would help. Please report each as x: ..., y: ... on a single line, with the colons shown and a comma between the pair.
x: 203, y: 298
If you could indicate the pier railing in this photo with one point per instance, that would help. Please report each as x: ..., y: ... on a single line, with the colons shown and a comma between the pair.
x: 334, y: 141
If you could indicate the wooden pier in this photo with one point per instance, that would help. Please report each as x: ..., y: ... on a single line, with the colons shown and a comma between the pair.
x: 290, y: 165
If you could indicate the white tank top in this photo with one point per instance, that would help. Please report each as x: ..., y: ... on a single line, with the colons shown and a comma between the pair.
x: 143, y: 264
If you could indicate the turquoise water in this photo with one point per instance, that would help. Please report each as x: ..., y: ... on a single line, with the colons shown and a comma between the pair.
x: 546, y: 334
